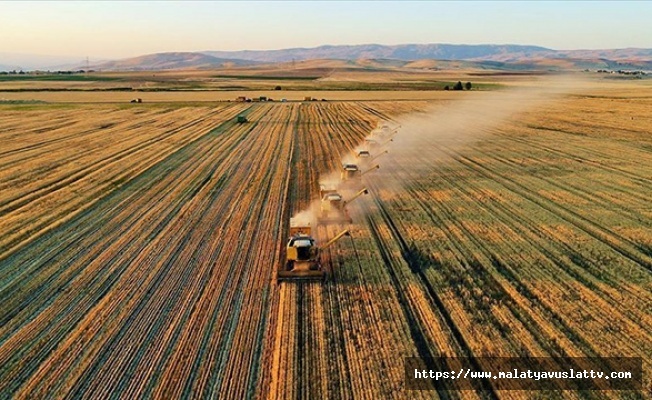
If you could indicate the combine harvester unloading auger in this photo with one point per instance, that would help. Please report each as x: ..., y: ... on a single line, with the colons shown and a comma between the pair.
x: 376, y: 156
x: 303, y: 255
x: 384, y: 129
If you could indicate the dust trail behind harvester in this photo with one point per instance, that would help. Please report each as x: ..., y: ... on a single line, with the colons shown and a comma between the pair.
x: 427, y: 138
x: 423, y: 139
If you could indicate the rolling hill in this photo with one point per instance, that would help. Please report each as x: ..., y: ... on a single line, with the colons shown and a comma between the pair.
x: 416, y: 56
x: 411, y: 52
x: 177, y: 60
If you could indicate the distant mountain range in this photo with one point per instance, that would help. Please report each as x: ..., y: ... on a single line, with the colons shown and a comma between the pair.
x: 478, y: 56
x: 411, y: 52
x: 483, y: 56
x: 179, y: 60
x: 407, y: 52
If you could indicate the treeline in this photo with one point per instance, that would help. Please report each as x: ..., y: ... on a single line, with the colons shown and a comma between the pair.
x: 459, y: 86
x: 21, y: 72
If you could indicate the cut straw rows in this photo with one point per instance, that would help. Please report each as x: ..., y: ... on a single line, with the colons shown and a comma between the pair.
x: 141, y: 247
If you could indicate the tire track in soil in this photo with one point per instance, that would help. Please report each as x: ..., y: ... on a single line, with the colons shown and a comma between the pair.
x: 116, y: 198
x: 41, y: 223
x: 416, y: 331
x: 624, y: 246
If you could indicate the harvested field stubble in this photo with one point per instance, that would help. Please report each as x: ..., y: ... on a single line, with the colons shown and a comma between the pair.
x: 140, y: 245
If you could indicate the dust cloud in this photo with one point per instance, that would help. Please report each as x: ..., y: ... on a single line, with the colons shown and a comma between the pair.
x: 308, y: 216
x: 427, y: 138
x: 410, y: 146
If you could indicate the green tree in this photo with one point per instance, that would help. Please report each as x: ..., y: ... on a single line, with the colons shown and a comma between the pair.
x: 458, y: 86
x: 468, y: 85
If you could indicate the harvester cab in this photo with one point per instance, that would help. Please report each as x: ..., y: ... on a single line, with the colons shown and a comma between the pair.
x: 302, y: 260
x: 350, y: 171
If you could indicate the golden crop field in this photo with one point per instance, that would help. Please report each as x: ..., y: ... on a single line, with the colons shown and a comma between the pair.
x: 140, y: 242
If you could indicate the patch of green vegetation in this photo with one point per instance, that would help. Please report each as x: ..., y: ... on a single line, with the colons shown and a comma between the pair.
x: 362, y: 86
x: 400, y: 85
x: 55, y: 77
x: 165, y: 104
x: 269, y: 77
x: 30, y: 105
x: 113, y: 89
x: 4, y: 101
x: 488, y: 86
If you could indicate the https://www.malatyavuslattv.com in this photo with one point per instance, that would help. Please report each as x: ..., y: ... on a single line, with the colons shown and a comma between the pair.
x: 524, y: 373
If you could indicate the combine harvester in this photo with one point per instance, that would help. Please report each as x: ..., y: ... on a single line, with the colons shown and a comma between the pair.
x: 385, y: 130
x: 365, y: 155
x: 302, y: 260
x: 353, y: 172
x: 303, y: 255
x: 332, y: 209
x: 373, y: 143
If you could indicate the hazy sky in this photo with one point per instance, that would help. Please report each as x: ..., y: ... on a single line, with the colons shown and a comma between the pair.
x: 115, y: 29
